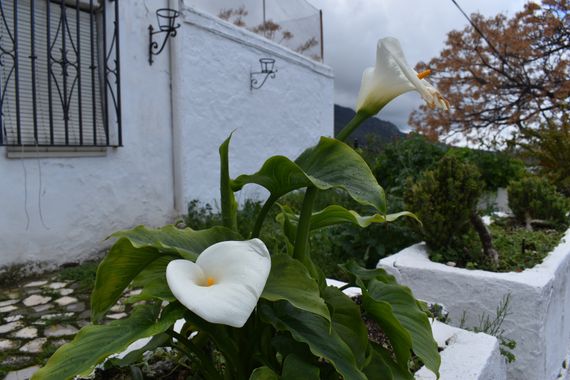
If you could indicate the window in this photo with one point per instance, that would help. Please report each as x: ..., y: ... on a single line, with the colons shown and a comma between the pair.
x: 59, y: 73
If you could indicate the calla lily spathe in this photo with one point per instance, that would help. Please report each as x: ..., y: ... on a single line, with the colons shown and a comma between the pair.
x: 224, y: 284
x: 391, y: 77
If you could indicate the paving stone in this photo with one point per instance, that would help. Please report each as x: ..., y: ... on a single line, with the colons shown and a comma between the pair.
x: 58, y: 342
x: 10, y: 327
x: 22, y: 374
x: 26, y: 333
x: 8, y: 302
x: 134, y: 292
x: 6, y: 344
x: 34, y: 346
x: 13, y: 318
x: 33, y: 291
x: 85, y: 315
x: 118, y: 308
x: 13, y: 295
x: 77, y: 307
x: 82, y: 324
x: 7, y: 309
x: 35, y: 300
x: 117, y: 316
x: 14, y: 361
x: 35, y: 284
x: 42, y: 308
x: 57, y: 316
x: 64, y: 301
x: 60, y: 330
x: 65, y: 291
x: 57, y: 285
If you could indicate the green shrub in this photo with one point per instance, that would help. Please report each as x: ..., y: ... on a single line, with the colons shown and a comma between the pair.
x: 497, y: 168
x: 548, y: 147
x: 406, y: 159
x: 444, y: 199
x: 534, y: 198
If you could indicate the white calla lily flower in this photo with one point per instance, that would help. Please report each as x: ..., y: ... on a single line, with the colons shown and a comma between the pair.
x: 391, y: 77
x: 224, y: 284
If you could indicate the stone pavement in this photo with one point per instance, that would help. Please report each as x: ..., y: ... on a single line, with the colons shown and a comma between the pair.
x: 36, y: 318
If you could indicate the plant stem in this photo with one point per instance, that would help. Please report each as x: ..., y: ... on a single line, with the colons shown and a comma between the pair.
x: 229, y: 204
x: 190, y: 348
x: 352, y: 125
x: 304, y: 225
x: 261, y: 216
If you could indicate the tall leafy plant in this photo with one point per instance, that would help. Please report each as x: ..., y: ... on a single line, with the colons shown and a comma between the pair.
x: 249, y: 314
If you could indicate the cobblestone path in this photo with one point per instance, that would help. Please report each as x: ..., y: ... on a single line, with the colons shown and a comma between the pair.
x: 37, y: 317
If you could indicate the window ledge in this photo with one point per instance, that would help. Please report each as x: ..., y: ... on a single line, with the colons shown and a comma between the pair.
x: 55, y: 151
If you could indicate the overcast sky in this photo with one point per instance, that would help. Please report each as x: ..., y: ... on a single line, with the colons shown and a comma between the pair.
x: 353, y: 27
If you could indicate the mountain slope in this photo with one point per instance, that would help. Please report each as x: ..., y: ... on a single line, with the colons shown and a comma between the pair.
x: 383, y: 131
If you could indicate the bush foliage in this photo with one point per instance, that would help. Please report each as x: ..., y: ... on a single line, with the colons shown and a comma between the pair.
x: 444, y: 199
x: 533, y: 198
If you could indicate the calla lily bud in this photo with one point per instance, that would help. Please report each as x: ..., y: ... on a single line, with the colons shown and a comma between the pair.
x: 391, y: 77
x: 225, y: 283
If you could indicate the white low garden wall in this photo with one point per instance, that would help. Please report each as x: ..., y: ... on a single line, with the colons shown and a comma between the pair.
x: 540, y: 303
x: 465, y: 355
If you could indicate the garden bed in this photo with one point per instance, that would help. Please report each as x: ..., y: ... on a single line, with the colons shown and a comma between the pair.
x: 539, y: 300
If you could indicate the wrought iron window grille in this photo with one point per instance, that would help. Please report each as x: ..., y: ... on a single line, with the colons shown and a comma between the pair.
x: 60, y: 73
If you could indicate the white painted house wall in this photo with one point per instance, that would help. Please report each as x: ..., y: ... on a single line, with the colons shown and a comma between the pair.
x: 212, y: 61
x: 83, y: 200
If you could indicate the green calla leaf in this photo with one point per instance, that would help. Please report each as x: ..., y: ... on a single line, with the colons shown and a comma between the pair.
x: 152, y: 280
x: 329, y: 164
x: 228, y: 200
x: 289, y: 280
x: 316, y: 332
x: 187, y: 243
x: 332, y: 163
x: 263, y: 373
x: 335, y: 214
x: 348, y: 323
x: 286, y: 345
x: 295, y: 368
x: 383, y: 313
x: 381, y: 366
x: 289, y: 229
x: 94, y: 343
x: 358, y: 273
x: 405, y: 308
x: 133, y: 357
x: 137, y: 248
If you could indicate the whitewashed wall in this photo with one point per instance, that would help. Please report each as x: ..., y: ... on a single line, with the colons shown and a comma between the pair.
x: 83, y: 200
x: 212, y: 63
x: 537, y: 318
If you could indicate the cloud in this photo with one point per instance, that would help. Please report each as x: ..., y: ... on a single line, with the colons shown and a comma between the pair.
x: 352, y: 28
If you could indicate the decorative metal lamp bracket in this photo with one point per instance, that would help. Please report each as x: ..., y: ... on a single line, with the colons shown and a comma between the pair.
x: 166, y: 18
x: 267, y: 70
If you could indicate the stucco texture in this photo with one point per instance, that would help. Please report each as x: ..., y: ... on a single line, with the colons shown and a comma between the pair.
x: 212, y: 98
x: 175, y: 112
x: 539, y: 303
